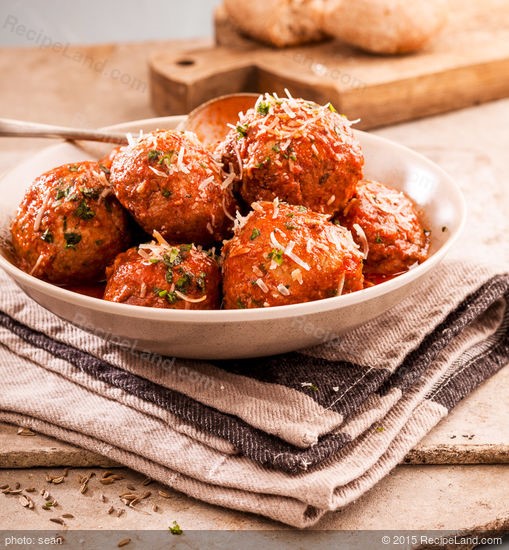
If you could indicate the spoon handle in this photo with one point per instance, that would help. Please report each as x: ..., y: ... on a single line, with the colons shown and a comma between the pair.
x: 20, y: 128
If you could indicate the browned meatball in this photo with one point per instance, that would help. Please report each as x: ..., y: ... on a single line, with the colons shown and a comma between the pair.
x: 164, y: 276
x: 171, y: 183
x: 69, y: 225
x: 295, y: 150
x: 286, y: 254
x: 386, y: 225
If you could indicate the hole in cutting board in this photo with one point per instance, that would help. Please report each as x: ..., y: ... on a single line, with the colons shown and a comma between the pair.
x: 186, y: 62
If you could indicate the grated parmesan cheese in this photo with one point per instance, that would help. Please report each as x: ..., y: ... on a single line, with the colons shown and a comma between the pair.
x: 157, y: 172
x: 288, y: 251
x: 190, y: 300
x: 297, y: 276
x: 262, y: 285
x: 283, y: 290
x: 362, y: 237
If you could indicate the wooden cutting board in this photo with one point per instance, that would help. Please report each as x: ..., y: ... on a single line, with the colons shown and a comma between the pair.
x: 467, y: 64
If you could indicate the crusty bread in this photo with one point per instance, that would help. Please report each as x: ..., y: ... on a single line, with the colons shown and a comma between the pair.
x: 383, y: 26
x: 279, y: 23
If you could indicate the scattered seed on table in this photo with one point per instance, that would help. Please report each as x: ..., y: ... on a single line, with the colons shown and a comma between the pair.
x: 25, y: 432
x: 26, y: 502
x: 30, y: 489
x: 107, y: 481
x: 123, y: 542
x: 131, y: 487
x: 68, y: 516
x: 147, y: 481
x: 164, y: 494
x: 60, y: 521
x: 111, y: 510
x: 57, y: 480
x: 121, y: 512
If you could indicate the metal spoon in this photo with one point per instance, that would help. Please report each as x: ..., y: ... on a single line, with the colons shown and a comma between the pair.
x: 20, y: 128
x: 209, y: 121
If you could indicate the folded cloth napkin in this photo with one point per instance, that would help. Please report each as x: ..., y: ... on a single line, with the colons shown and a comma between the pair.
x: 289, y: 437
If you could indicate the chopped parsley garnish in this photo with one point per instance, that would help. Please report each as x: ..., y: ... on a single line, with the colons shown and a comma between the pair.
x: 154, y: 260
x: 99, y: 242
x: 240, y: 304
x: 276, y: 255
x: 47, y: 236
x: 290, y: 226
x: 171, y: 297
x: 201, y: 280
x: 74, y: 167
x: 90, y: 193
x: 242, y: 130
x: 71, y: 239
x: 185, y: 247
x: 293, y: 156
x: 104, y: 169
x: 61, y: 194
x: 302, y: 209
x: 265, y: 161
x: 183, y: 282
x: 255, y: 234
x: 167, y: 158
x: 331, y: 108
x: 378, y: 239
x: 172, y: 258
x: 169, y: 275
x: 154, y: 155
x: 276, y: 147
x: 263, y: 107
x: 380, y: 429
x: 84, y: 211
x: 166, y: 193
x: 175, y: 529
x: 290, y: 214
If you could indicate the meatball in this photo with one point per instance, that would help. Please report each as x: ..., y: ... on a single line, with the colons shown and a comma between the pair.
x: 164, y: 276
x: 295, y: 150
x: 282, y: 254
x: 386, y: 225
x: 69, y: 225
x: 170, y: 183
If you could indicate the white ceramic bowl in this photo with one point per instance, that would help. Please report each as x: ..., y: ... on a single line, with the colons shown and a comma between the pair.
x: 248, y: 332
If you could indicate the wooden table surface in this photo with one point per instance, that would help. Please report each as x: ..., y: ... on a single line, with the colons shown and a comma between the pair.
x: 458, y: 475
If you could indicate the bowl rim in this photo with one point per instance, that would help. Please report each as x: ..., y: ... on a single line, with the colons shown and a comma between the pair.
x: 252, y: 314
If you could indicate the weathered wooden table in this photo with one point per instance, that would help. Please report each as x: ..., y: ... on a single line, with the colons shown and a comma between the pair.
x: 458, y: 476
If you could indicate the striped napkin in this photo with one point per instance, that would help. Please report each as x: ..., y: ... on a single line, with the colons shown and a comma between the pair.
x: 289, y: 437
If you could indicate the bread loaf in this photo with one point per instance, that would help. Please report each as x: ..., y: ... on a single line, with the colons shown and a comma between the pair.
x: 383, y: 26
x: 279, y: 23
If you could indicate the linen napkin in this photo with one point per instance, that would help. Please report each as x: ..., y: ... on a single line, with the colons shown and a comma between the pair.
x: 288, y: 437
